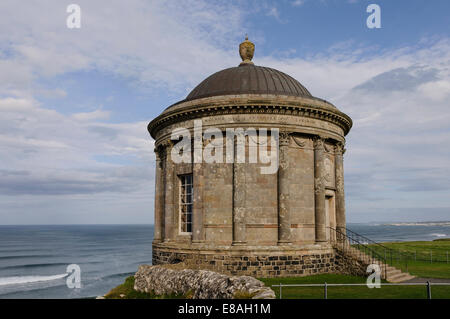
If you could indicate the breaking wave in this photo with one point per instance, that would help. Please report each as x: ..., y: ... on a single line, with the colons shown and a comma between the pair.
x: 16, y: 280
x: 438, y: 235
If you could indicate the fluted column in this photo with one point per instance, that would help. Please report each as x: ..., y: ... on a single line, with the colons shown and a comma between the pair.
x: 159, y: 196
x: 340, y: 196
x: 169, y: 226
x: 239, y: 222
x: 319, y: 190
x: 197, y: 214
x: 284, y: 220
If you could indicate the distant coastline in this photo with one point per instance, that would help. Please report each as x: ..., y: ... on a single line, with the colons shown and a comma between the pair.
x: 420, y: 224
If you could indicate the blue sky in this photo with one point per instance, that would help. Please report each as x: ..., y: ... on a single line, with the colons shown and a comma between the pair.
x: 74, y: 103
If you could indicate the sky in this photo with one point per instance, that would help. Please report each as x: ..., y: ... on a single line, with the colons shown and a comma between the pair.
x: 75, y: 103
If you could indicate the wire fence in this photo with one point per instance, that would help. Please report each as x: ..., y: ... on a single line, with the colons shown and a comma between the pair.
x: 326, y: 285
x: 428, y: 256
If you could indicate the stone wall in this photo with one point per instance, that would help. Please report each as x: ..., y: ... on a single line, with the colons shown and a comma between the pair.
x: 281, y: 264
x: 349, y: 264
x: 201, y: 284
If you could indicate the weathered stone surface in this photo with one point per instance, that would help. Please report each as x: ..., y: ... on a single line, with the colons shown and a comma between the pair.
x: 202, y: 284
x: 350, y: 264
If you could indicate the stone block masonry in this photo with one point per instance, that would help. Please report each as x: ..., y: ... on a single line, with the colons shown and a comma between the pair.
x: 281, y: 263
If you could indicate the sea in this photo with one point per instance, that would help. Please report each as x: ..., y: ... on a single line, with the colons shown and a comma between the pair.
x: 34, y: 260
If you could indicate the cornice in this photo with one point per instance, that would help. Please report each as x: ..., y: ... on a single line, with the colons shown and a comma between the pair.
x: 192, y: 111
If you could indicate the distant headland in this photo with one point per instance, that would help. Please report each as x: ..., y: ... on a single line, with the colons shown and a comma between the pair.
x: 446, y: 223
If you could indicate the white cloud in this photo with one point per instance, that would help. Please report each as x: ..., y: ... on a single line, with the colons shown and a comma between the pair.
x: 46, y: 152
x: 153, y: 43
x: 94, y: 115
x: 397, y: 98
x: 298, y: 3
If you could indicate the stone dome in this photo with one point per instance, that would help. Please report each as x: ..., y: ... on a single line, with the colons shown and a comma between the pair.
x: 248, y: 78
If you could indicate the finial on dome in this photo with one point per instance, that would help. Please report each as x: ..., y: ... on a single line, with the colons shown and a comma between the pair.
x: 246, y: 50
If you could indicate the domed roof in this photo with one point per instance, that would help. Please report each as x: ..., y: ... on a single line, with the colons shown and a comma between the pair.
x: 248, y: 78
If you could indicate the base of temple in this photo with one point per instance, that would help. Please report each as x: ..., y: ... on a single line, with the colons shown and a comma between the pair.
x: 257, y: 261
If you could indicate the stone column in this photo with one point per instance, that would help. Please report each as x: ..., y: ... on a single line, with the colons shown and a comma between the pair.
x: 169, y: 226
x: 284, y: 220
x: 340, y: 197
x: 159, y: 196
x: 239, y: 226
x: 319, y: 190
x: 197, y: 212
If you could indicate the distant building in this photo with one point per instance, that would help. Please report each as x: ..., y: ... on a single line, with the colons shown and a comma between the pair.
x: 229, y: 216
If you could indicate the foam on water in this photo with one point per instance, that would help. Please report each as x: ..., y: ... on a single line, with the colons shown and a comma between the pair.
x: 16, y: 280
x: 438, y: 235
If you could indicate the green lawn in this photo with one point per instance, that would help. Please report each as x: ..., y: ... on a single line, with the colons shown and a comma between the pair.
x: 352, y: 292
x: 363, y: 292
x: 419, y: 258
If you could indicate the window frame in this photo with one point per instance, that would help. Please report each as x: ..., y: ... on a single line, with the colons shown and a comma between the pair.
x: 182, y: 192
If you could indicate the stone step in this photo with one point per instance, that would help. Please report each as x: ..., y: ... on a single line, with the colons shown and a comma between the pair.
x: 399, y: 277
x: 391, y: 272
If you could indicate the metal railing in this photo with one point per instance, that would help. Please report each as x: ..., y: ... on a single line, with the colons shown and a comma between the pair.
x: 349, y: 242
x: 326, y: 285
x: 396, y: 257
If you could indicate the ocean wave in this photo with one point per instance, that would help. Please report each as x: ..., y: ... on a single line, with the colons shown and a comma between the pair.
x: 438, y: 235
x: 16, y: 280
x: 26, y: 256
x: 33, y: 265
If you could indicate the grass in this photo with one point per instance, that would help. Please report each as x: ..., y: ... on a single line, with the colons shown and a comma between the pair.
x: 352, y: 292
x: 127, y: 291
x: 422, y: 267
x: 419, y: 258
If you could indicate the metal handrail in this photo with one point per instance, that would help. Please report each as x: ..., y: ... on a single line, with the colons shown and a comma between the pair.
x: 368, y: 253
x: 372, y: 242
x: 405, y: 255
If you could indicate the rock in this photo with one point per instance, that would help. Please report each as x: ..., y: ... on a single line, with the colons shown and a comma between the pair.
x: 201, y: 284
x: 100, y: 297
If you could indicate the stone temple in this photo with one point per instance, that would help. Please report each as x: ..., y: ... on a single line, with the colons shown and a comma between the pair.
x: 227, y: 215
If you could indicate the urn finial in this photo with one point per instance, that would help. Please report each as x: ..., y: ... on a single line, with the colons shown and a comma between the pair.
x: 246, y: 50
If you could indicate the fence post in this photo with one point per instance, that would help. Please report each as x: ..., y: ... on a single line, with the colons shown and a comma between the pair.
x: 280, y: 290
x: 428, y: 290
x: 431, y: 256
x: 415, y: 255
x: 447, y: 256
x: 325, y: 291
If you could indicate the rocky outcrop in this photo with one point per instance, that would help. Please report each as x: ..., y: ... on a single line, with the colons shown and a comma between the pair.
x: 200, y: 284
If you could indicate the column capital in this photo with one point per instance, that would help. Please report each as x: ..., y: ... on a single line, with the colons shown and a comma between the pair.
x: 339, y: 148
x: 160, y: 154
x: 285, y: 138
x: 318, y: 143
